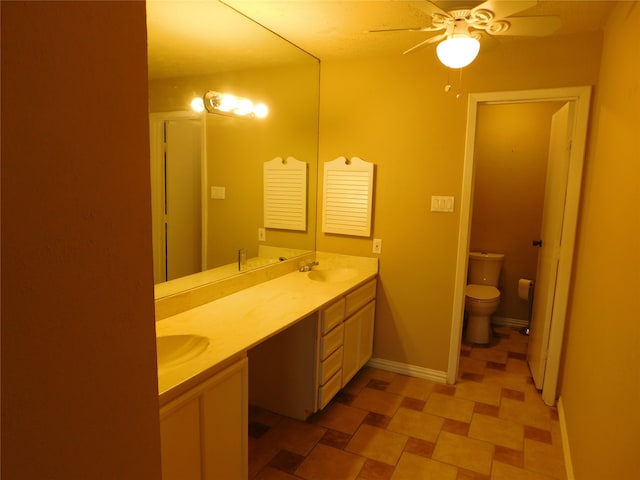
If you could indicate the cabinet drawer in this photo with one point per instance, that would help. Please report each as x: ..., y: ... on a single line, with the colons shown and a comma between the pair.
x: 332, y: 316
x: 329, y: 389
x: 330, y: 366
x: 330, y: 342
x: 360, y: 297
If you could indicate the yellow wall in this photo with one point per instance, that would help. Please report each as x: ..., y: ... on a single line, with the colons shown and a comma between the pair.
x: 393, y: 111
x: 512, y: 144
x: 600, y: 387
x: 79, y: 382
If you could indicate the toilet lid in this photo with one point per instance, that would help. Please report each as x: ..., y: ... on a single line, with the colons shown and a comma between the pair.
x: 482, y: 292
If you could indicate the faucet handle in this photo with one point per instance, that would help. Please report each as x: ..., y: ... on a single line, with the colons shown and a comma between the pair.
x: 306, y: 267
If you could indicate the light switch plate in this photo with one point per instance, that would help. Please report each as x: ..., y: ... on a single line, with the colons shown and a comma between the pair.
x: 218, y: 193
x: 441, y: 203
x: 262, y: 234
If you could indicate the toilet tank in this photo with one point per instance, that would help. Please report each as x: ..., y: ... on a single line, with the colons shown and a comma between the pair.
x: 484, y: 268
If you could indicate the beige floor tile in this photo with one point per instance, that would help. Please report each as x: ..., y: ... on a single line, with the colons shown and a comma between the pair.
x: 449, y: 407
x: 497, y: 431
x: 270, y: 473
x: 506, y: 379
x: 472, y: 365
x: 297, y: 437
x: 513, y: 344
x: 377, y: 444
x: 464, y: 452
x: 502, y: 471
x: 556, y: 435
x: 357, y: 383
x: 377, y: 401
x: 327, y: 462
x: 544, y: 458
x: 340, y: 417
x: 374, y: 470
x: 512, y: 457
x: 519, y: 367
x: 489, y: 355
x: 419, y: 388
x: 260, y: 454
x: 416, y: 424
x: 526, y: 413
x: 378, y: 374
x: 414, y: 467
x: 265, y: 417
x: 488, y: 393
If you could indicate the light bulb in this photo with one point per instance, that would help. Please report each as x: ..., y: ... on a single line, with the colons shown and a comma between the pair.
x: 227, y: 103
x: 261, y: 110
x: 243, y: 107
x: 197, y: 104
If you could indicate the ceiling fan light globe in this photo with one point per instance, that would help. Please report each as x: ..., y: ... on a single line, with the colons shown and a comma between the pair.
x: 458, y: 52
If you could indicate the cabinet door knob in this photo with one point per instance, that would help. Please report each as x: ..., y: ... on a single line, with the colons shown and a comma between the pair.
x: 537, y: 243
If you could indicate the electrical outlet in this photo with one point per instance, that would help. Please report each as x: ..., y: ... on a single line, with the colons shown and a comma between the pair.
x: 262, y: 234
x: 377, y: 245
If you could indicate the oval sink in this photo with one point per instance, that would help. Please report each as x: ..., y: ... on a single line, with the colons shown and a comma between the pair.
x: 332, y: 274
x: 176, y: 349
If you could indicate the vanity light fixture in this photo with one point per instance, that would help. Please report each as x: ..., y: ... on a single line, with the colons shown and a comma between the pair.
x: 227, y: 104
x: 459, y: 49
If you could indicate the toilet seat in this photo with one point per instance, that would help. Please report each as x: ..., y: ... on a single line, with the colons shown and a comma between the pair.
x: 481, y: 293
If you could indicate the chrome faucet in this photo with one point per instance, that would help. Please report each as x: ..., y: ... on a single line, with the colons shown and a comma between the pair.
x: 306, y: 267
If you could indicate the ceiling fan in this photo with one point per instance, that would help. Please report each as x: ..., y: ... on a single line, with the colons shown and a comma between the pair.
x: 464, y: 25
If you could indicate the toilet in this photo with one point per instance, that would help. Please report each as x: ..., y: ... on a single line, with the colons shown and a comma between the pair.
x: 482, y: 296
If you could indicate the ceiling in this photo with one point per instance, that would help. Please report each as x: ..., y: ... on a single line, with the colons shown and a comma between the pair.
x: 186, y: 36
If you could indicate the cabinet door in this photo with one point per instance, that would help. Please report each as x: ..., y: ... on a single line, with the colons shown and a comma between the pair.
x: 350, y: 349
x: 203, y: 433
x: 224, y: 424
x: 366, y: 333
x: 180, y: 440
x: 358, y: 341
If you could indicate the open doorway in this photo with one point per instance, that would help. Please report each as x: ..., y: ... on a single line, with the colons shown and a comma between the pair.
x: 177, y: 182
x: 578, y: 98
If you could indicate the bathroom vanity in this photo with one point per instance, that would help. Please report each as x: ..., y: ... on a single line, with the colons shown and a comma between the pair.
x: 296, y: 339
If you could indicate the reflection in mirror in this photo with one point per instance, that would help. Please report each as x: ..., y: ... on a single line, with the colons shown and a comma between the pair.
x: 207, y: 168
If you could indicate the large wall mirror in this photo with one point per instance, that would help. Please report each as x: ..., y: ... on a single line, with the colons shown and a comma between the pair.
x: 208, y: 168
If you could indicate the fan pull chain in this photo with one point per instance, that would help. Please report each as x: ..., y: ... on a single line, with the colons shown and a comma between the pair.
x: 459, y: 94
x: 448, y: 86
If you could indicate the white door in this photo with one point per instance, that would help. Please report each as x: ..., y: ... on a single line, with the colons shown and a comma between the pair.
x: 183, y: 204
x: 550, y: 238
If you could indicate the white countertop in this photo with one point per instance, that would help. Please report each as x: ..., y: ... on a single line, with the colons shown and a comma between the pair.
x: 237, y: 322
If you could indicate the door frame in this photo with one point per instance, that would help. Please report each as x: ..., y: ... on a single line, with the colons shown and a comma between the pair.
x: 156, y: 147
x: 581, y: 96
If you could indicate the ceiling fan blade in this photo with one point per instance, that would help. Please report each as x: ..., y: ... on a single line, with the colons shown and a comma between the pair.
x: 416, y: 29
x: 528, y: 26
x: 429, y: 8
x: 502, y: 8
x: 428, y: 41
x: 487, y: 42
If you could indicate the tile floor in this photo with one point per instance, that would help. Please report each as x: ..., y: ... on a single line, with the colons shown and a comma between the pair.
x: 491, y: 425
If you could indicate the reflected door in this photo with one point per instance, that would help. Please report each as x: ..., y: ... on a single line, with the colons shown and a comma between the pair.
x: 549, y: 254
x: 183, y: 203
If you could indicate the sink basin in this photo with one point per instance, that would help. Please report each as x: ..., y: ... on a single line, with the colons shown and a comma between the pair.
x: 176, y: 349
x: 332, y: 274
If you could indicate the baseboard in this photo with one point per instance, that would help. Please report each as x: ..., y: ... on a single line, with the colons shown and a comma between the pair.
x: 565, y: 441
x: 509, y: 322
x: 410, y: 370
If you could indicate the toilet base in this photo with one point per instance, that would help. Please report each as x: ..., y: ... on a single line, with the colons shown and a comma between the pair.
x: 478, y: 329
